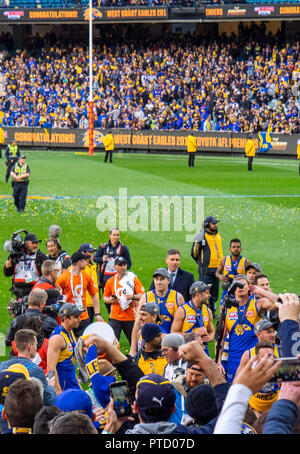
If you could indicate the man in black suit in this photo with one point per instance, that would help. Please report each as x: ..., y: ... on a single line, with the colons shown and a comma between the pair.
x: 180, y: 280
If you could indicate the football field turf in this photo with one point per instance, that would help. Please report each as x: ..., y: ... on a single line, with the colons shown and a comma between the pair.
x: 261, y: 208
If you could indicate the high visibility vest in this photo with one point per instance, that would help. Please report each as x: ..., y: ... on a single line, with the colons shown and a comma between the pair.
x: 18, y: 170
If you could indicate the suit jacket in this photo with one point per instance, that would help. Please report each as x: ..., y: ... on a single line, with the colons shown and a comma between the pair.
x: 182, y: 283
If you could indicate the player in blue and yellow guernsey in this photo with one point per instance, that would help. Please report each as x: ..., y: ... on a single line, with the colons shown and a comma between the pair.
x: 265, y: 332
x: 194, y: 316
x: 231, y: 265
x: 264, y: 399
x: 239, y: 325
x: 61, y: 347
x: 166, y: 299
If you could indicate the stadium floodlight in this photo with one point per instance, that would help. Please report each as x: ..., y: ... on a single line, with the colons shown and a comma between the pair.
x: 91, y: 101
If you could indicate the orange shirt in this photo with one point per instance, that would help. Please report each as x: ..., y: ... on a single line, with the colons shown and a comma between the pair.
x: 113, y: 287
x: 75, y: 287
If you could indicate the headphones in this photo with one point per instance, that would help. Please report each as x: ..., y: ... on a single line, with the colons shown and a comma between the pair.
x: 55, y: 241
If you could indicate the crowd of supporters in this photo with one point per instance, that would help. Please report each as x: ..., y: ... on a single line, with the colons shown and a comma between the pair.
x: 248, y: 82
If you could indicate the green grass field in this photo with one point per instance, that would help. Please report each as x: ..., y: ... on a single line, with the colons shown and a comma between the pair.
x: 260, y: 207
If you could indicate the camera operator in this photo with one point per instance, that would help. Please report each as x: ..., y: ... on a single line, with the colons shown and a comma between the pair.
x: 105, y: 259
x: 243, y: 311
x: 25, y: 267
x: 36, y: 304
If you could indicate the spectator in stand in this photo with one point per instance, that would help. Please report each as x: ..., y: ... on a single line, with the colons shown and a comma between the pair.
x: 241, y: 83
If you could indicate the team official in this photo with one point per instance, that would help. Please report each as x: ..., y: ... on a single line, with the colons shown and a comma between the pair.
x: 207, y: 253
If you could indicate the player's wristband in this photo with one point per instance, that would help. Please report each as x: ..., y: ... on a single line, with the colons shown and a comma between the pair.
x: 105, y: 432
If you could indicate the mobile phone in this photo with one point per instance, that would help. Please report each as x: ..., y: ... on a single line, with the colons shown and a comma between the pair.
x: 119, y: 392
x: 288, y: 371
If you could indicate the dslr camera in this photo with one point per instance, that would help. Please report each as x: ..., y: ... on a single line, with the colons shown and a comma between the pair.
x: 229, y: 299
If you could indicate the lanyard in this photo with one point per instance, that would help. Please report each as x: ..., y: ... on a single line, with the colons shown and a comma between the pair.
x: 242, y: 314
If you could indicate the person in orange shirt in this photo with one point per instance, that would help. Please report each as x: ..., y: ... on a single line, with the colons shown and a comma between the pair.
x: 122, y: 291
x: 74, y: 283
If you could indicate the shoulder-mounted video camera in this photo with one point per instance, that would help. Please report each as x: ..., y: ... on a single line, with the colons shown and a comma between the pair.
x: 15, y: 246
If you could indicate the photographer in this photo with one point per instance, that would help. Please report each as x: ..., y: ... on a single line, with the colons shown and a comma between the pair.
x: 105, y: 258
x: 25, y: 265
x: 243, y: 311
x: 50, y: 271
x: 36, y: 304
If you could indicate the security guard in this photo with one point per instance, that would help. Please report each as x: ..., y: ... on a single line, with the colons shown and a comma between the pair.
x: 2, y: 140
x: 250, y: 150
x: 207, y: 253
x: 12, y: 154
x: 109, y: 146
x: 20, y: 175
x: 191, y: 145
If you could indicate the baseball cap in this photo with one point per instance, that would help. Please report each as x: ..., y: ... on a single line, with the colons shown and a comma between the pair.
x: 151, y: 308
x: 211, y: 220
x: 200, y: 403
x: 79, y: 255
x: 32, y: 237
x: 74, y: 400
x: 256, y: 266
x: 20, y: 369
x: 69, y: 309
x: 161, y: 272
x: 155, y: 392
x: 6, y: 379
x: 172, y: 340
x: 119, y: 260
x: 262, y: 324
x: 241, y: 276
x: 198, y: 287
x: 105, y: 367
x: 86, y: 247
x: 149, y: 331
x: 22, y: 156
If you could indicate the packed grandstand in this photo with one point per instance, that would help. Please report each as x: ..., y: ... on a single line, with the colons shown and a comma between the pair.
x: 244, y: 82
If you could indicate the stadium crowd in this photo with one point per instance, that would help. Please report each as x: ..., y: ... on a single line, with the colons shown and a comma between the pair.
x: 245, y: 82
x: 65, y: 364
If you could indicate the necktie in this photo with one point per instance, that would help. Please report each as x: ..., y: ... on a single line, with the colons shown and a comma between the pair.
x: 172, y: 277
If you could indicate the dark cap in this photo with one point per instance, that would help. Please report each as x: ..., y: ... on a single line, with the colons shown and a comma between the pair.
x: 6, y: 379
x: 161, y: 272
x: 22, y: 156
x: 69, y: 309
x: 256, y: 266
x: 200, y: 403
x: 211, y: 220
x: 86, y: 247
x: 32, y: 237
x: 262, y: 324
x: 154, y: 391
x: 198, y: 287
x: 149, y: 331
x: 119, y: 260
x: 151, y: 308
x: 79, y: 255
